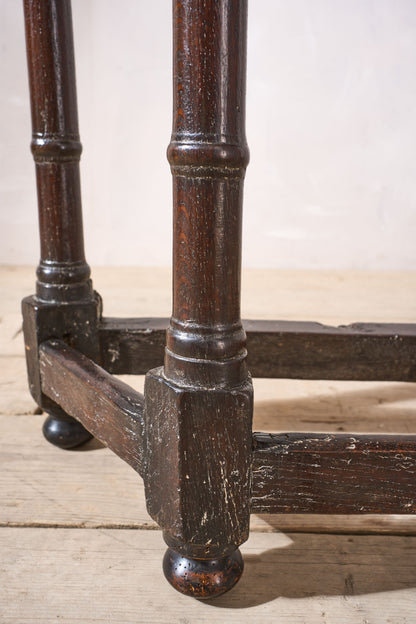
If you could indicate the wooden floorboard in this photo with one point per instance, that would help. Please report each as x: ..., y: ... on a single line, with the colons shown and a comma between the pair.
x: 104, y: 575
x: 77, y: 544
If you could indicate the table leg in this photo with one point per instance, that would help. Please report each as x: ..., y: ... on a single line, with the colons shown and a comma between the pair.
x: 199, y: 406
x: 63, y: 274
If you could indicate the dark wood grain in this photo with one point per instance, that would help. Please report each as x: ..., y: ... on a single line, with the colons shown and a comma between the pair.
x: 198, y: 408
x: 132, y: 346
x: 361, y: 351
x: 190, y: 436
x: 198, y: 464
x: 208, y: 155
x: 279, y: 349
x: 202, y: 578
x: 107, y: 407
x: 63, y: 274
x: 333, y: 474
x: 75, y: 322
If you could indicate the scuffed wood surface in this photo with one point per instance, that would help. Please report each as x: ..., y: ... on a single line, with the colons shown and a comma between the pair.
x: 93, y: 482
x: 278, y: 349
x: 198, y: 492
x: 333, y: 474
x: 360, y: 351
x: 115, y: 575
x: 92, y: 487
x: 110, y: 409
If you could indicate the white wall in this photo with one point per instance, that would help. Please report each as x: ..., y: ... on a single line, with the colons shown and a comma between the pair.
x: 331, y: 125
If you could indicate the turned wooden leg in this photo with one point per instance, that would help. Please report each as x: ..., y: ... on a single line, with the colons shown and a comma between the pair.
x: 65, y: 305
x: 198, y: 408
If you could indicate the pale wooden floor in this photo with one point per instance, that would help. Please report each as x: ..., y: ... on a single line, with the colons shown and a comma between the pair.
x: 76, y: 543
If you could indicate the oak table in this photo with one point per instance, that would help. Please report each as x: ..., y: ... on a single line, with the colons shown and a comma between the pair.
x: 190, y: 435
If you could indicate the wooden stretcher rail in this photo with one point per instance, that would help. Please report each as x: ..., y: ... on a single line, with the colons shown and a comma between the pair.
x: 107, y: 407
x: 333, y: 474
x: 279, y: 349
x: 291, y: 472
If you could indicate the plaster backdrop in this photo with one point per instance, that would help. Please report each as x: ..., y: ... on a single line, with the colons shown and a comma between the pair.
x: 331, y: 125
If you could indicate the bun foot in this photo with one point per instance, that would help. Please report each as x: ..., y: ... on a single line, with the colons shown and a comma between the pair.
x: 202, y: 578
x: 65, y: 432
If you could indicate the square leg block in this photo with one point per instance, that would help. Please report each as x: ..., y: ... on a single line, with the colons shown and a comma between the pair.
x: 198, y: 464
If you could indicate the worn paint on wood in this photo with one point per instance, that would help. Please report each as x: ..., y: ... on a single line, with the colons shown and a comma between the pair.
x: 107, y: 407
x: 334, y: 473
x: 278, y: 349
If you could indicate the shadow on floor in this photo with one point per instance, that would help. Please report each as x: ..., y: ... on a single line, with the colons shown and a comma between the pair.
x: 91, y: 445
x: 376, y: 408
x: 324, y: 565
